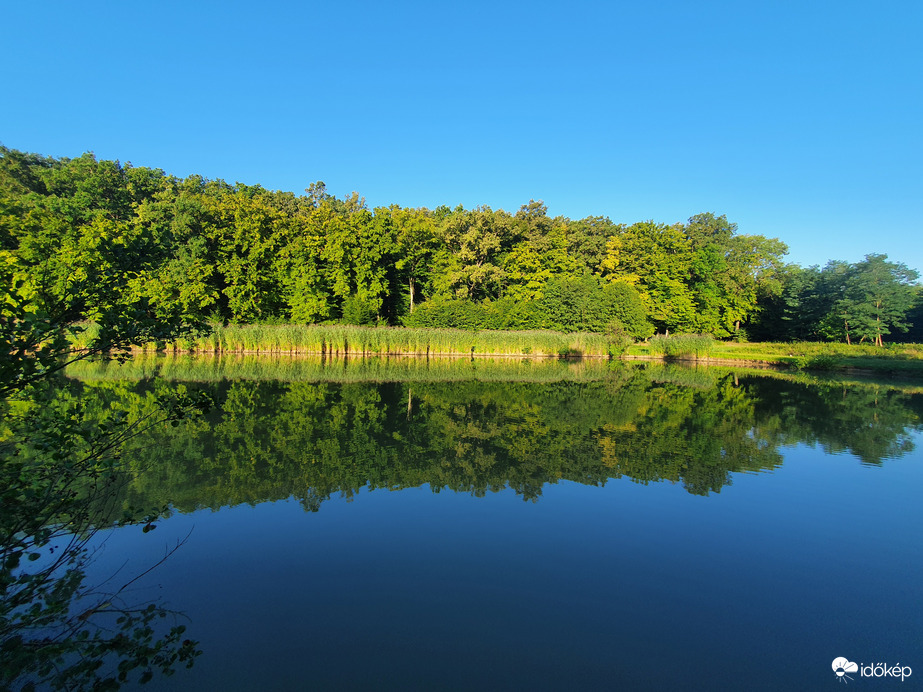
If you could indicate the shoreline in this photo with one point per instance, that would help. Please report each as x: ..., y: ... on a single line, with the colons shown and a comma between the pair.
x: 888, y: 367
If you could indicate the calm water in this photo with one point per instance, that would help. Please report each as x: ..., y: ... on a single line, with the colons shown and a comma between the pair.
x: 546, y: 526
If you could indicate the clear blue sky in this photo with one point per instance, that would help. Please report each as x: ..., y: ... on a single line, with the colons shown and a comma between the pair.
x: 799, y: 120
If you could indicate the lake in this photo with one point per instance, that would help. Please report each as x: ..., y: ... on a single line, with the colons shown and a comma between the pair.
x: 507, y: 524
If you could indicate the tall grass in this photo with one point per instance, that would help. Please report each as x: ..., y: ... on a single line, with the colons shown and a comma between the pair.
x: 681, y: 345
x: 342, y: 340
x: 819, y: 348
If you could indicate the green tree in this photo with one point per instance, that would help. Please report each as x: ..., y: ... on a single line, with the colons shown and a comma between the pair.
x: 730, y: 273
x: 587, y: 239
x: 415, y: 244
x: 754, y: 265
x: 795, y: 311
x: 300, y: 268
x: 589, y: 304
x: 357, y: 252
x: 656, y: 259
x: 530, y: 265
x: 470, y: 264
x: 244, y: 237
x: 876, y: 297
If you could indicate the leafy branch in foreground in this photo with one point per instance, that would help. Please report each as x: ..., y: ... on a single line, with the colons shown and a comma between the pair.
x: 57, y: 471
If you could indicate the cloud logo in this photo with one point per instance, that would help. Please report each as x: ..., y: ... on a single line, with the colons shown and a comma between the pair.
x: 841, y: 666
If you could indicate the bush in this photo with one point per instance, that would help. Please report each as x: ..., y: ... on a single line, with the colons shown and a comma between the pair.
x: 588, y: 304
x: 358, y: 310
x: 618, y: 339
x: 447, y: 314
x: 583, y: 304
x: 507, y: 313
x: 680, y: 345
x: 817, y: 362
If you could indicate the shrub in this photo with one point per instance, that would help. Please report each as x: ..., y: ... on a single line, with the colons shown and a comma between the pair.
x: 618, y: 339
x: 358, y: 310
x: 588, y: 304
x: 680, y: 345
x: 447, y: 314
x: 816, y: 362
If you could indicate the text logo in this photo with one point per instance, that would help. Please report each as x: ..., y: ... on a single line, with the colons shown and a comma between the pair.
x: 843, y: 666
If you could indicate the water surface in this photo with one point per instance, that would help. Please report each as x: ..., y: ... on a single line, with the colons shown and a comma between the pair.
x: 522, y: 525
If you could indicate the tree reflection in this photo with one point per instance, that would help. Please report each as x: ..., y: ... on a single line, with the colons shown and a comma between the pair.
x: 269, y: 440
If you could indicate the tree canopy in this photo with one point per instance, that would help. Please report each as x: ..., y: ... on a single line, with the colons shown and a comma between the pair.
x: 220, y: 252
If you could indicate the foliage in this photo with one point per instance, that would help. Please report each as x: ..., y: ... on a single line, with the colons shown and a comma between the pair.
x: 815, y: 362
x: 56, y: 464
x: 891, y: 359
x: 472, y: 243
x: 588, y: 304
x: 55, y: 630
x: 239, y: 253
x: 655, y: 259
x: 358, y: 310
x: 447, y: 313
x: 211, y: 251
x: 859, y: 302
x: 365, y: 340
x: 875, y: 296
x: 700, y: 276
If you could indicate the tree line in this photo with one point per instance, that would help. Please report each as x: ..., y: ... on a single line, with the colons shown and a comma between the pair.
x: 208, y: 250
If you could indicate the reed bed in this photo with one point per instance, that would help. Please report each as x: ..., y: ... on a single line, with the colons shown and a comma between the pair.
x: 682, y: 345
x: 344, y: 340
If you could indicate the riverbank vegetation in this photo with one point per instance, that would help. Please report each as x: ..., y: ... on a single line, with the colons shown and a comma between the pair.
x: 234, y: 254
x: 339, y: 341
x: 897, y: 358
x: 351, y: 340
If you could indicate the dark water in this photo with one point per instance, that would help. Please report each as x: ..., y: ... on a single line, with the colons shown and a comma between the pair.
x: 636, y: 528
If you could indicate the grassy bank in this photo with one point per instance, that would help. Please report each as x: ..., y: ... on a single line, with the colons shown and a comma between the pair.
x: 808, y: 355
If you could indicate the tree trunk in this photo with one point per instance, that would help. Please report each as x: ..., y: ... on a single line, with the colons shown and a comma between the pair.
x: 410, y: 282
x: 878, y: 324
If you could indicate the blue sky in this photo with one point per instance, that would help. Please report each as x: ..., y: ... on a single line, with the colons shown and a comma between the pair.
x: 798, y: 120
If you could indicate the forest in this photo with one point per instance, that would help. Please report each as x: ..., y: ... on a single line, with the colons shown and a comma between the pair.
x: 212, y: 252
